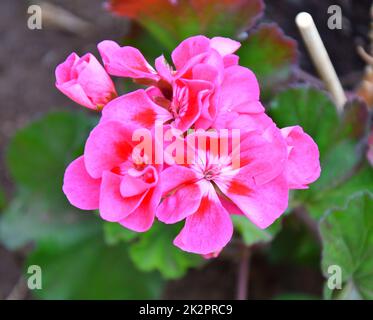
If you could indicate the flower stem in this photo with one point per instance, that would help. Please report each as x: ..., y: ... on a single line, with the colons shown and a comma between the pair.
x: 243, y: 273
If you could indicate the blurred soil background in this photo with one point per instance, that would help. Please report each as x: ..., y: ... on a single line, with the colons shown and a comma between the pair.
x: 27, y: 62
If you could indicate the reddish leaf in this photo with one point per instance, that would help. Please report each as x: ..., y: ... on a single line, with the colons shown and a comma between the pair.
x: 270, y: 54
x: 184, y: 18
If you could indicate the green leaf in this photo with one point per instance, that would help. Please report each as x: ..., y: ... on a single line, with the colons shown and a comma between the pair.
x: 2, y: 199
x: 227, y: 18
x: 294, y: 244
x: 39, y: 153
x: 251, y: 234
x: 29, y: 218
x: 270, y: 54
x: 115, y: 233
x: 320, y: 200
x: 347, y: 236
x: 309, y: 108
x: 92, y: 270
x: 295, y: 296
x: 155, y: 250
x: 356, y: 120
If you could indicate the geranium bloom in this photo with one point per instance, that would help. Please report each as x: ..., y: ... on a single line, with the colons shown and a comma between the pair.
x: 206, y: 84
x: 85, y: 81
x: 108, y: 178
x: 205, y: 89
x: 215, y: 188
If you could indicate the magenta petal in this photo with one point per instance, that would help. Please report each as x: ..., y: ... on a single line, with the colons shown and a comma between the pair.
x: 113, y: 206
x: 96, y: 82
x: 239, y: 88
x: 142, y: 218
x: 263, y: 156
x: 224, y: 46
x: 208, y: 230
x: 175, y: 177
x: 80, y: 188
x: 178, y: 184
x: 230, y: 206
x: 188, y: 49
x: 163, y: 68
x: 76, y: 93
x: 230, y: 60
x: 108, y: 146
x: 125, y: 61
x: 63, y: 70
x: 184, y: 202
x: 135, y: 109
x: 136, y: 182
x: 262, y: 204
x: 303, y: 165
x: 85, y: 81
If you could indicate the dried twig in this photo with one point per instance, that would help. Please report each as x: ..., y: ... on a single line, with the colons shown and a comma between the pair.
x: 64, y: 20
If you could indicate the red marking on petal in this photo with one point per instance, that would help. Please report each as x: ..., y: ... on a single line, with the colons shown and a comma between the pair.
x: 237, y: 187
x: 146, y: 118
x: 123, y: 150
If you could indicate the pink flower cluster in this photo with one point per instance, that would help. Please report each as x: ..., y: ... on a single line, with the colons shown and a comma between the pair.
x: 205, y: 89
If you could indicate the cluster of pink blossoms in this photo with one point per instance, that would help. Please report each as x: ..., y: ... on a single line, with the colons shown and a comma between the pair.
x: 208, y: 90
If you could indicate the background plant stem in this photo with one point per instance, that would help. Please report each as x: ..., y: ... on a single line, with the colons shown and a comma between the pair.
x: 243, y: 273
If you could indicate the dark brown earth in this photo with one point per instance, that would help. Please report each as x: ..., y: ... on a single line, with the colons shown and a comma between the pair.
x: 27, y: 62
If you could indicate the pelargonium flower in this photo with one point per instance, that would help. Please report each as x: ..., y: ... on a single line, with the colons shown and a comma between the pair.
x: 108, y: 178
x: 85, y: 81
x: 215, y: 188
x: 205, y: 90
x: 205, y: 85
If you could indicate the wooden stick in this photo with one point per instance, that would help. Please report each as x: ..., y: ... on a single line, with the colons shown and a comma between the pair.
x: 62, y: 19
x: 320, y: 58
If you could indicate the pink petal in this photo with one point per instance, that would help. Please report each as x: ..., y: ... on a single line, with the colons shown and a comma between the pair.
x: 239, y: 89
x: 85, y: 81
x: 176, y: 176
x: 181, y: 204
x: 125, y: 61
x: 243, y: 121
x: 191, y: 105
x: 262, y: 204
x: 96, y: 82
x: 80, y: 188
x: 142, y: 218
x: 135, y: 109
x: 137, y: 182
x: 231, y: 60
x: 63, y: 70
x: 189, y: 49
x: 76, y: 93
x: 113, y: 206
x: 163, y: 68
x: 107, y: 147
x: 208, y: 230
x: 303, y: 165
x: 224, y: 46
x: 263, y: 155
x: 229, y: 205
